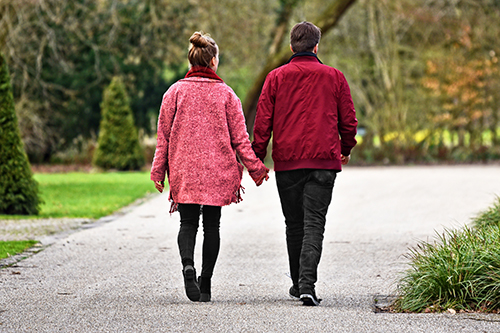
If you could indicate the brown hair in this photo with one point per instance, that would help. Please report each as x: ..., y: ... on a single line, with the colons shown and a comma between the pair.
x: 304, y: 36
x: 202, y: 49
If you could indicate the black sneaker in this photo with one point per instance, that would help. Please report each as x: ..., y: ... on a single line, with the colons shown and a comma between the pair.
x: 190, y: 283
x: 294, y: 292
x: 309, y: 298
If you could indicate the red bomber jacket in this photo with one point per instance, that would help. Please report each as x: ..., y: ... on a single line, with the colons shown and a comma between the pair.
x: 308, y: 108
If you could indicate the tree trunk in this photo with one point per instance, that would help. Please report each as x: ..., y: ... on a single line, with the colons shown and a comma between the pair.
x: 280, y: 53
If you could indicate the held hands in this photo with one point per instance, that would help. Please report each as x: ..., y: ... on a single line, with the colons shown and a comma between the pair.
x: 345, y: 159
x: 160, y: 186
x: 265, y: 176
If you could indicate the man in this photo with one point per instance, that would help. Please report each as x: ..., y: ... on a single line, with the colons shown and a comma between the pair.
x: 309, y: 110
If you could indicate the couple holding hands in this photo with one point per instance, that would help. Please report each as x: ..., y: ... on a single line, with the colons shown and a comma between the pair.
x: 202, y: 137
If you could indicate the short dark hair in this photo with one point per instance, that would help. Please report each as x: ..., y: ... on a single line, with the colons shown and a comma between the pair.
x: 304, y: 36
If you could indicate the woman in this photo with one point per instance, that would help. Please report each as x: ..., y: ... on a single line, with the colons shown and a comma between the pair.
x: 201, y: 135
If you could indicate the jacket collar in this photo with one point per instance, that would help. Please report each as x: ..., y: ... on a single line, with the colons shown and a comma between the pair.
x: 202, y: 72
x: 304, y: 54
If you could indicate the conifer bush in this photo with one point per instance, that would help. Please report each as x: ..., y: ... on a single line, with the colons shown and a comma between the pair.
x: 18, y: 189
x: 118, y: 144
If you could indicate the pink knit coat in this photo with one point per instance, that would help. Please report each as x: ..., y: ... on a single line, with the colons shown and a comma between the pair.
x: 201, y: 134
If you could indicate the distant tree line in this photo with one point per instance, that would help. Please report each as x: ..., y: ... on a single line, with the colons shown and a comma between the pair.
x: 424, y: 73
x: 63, y: 54
x: 425, y: 78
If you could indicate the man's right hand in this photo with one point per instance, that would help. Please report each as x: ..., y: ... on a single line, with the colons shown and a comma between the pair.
x: 345, y: 159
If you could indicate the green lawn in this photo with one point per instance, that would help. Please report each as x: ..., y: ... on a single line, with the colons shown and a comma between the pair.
x: 79, y: 194
x: 91, y: 195
x: 11, y: 248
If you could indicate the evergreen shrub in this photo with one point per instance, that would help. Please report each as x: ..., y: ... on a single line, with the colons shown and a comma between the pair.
x: 118, y: 144
x: 18, y: 189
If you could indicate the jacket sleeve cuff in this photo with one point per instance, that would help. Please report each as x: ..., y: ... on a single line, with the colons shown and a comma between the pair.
x: 157, y: 178
x: 260, y: 155
x: 258, y: 172
x: 346, y: 151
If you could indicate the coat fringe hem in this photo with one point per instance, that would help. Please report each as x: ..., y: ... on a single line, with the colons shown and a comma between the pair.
x: 239, y: 198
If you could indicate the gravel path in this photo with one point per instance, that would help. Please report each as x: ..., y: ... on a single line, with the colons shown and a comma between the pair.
x: 38, y: 229
x: 125, y: 275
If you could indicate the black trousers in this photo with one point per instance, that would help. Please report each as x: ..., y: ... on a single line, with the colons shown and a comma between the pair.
x: 305, y: 195
x: 190, y: 215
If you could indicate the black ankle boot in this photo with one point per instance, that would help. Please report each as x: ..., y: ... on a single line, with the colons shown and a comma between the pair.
x: 204, y: 289
x: 190, y: 283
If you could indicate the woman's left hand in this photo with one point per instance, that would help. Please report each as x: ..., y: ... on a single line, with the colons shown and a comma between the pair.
x: 260, y: 180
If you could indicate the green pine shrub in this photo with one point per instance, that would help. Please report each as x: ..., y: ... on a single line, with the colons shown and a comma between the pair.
x: 18, y: 189
x: 118, y: 144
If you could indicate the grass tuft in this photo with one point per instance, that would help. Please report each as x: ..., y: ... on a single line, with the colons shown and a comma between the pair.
x: 460, y: 270
x: 489, y: 217
x: 10, y: 248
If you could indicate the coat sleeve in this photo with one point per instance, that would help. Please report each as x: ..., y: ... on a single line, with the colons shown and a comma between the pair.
x: 165, y: 120
x: 239, y: 138
x: 347, y: 122
x: 264, y: 118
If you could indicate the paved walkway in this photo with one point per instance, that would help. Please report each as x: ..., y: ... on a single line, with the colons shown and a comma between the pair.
x: 125, y: 275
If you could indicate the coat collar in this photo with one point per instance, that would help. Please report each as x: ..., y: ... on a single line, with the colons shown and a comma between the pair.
x: 202, y: 72
x: 304, y: 54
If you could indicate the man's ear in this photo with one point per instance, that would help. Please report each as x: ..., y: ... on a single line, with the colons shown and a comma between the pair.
x: 291, y: 48
x: 316, y: 49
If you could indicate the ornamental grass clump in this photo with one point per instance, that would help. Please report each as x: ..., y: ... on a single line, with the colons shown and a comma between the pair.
x: 489, y: 217
x: 460, y: 271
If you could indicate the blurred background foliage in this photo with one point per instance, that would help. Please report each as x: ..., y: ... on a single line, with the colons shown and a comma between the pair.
x: 424, y: 74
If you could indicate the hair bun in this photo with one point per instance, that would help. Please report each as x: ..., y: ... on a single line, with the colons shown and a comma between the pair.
x: 199, y: 40
x: 202, y: 49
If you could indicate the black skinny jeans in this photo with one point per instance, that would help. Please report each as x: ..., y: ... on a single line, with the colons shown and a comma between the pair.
x: 305, y: 195
x: 190, y: 215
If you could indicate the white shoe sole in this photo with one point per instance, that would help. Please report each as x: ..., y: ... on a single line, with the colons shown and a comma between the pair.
x: 308, y: 299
